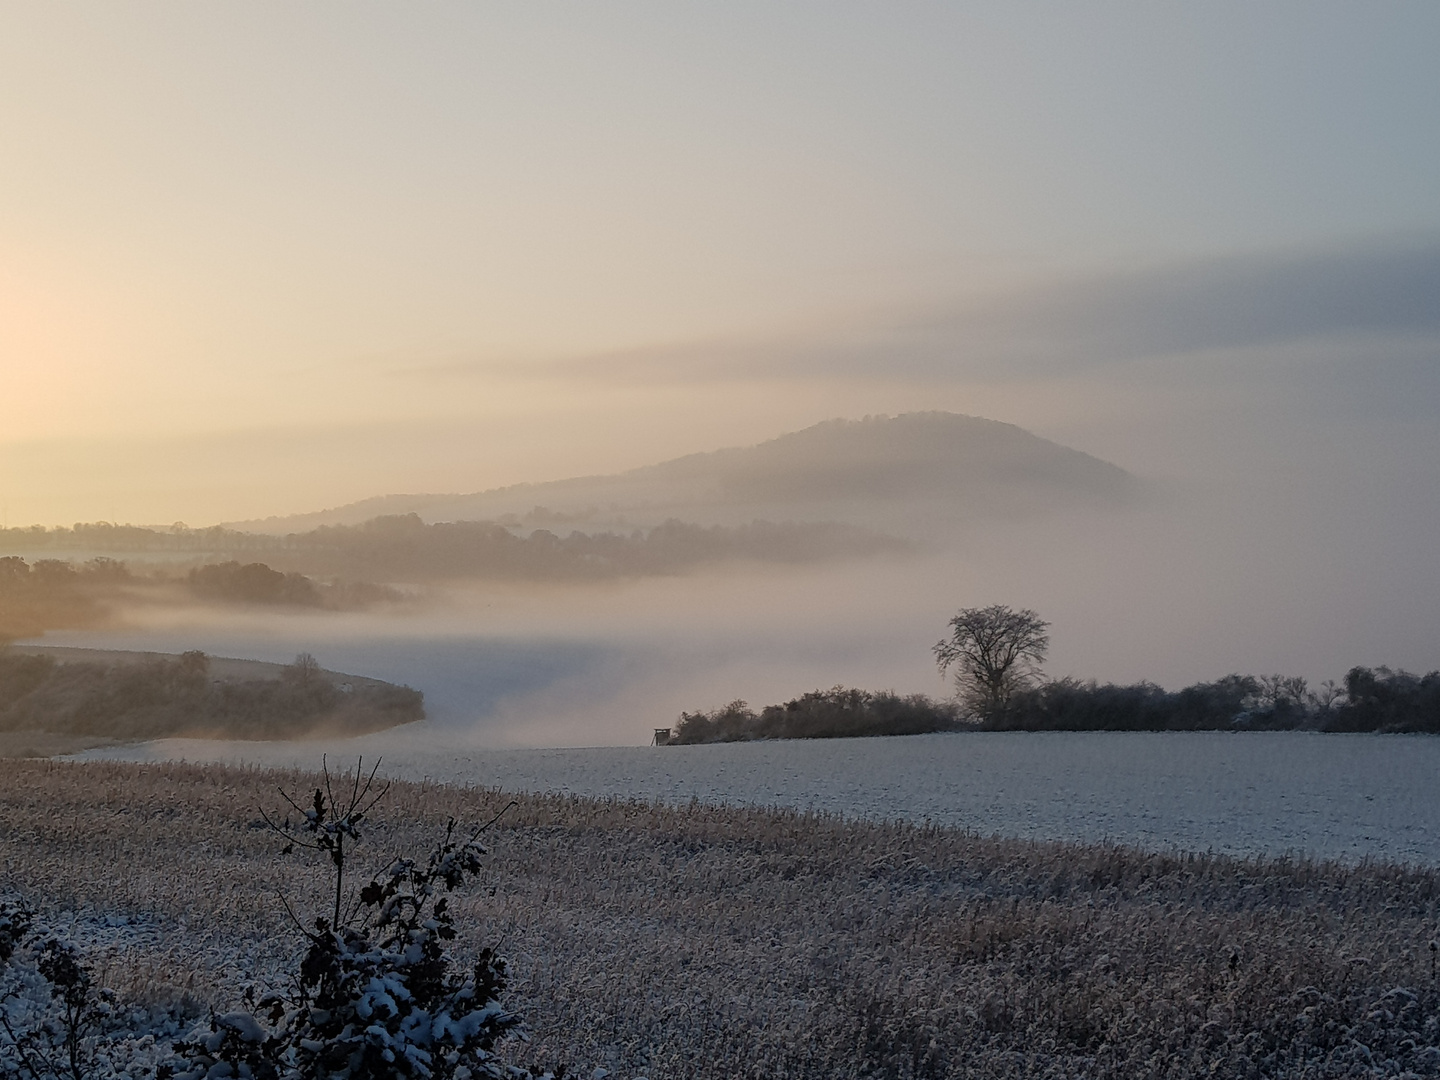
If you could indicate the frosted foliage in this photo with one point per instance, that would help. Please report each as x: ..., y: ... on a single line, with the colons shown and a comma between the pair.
x: 376, y: 996
x: 56, y: 1024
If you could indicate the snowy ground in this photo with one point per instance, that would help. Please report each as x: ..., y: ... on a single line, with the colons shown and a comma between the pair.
x: 1333, y: 796
x: 711, y: 943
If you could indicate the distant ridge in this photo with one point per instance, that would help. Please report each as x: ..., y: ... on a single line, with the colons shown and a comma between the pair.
x: 934, y: 463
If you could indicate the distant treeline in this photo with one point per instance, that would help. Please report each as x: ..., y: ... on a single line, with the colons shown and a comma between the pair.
x: 256, y: 583
x: 406, y: 547
x: 106, y: 536
x: 1371, y: 699
x: 169, y: 697
x: 403, y: 547
x: 821, y: 714
x: 53, y: 594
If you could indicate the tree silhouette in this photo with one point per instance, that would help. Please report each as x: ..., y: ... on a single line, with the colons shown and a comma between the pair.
x: 995, y: 651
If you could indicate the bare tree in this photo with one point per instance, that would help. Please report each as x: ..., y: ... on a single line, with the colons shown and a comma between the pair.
x: 995, y: 651
x: 1326, y: 698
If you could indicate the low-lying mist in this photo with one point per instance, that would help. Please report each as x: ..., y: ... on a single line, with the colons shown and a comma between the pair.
x: 1191, y: 585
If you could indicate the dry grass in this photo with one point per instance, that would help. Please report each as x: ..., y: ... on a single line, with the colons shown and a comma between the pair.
x: 704, y: 942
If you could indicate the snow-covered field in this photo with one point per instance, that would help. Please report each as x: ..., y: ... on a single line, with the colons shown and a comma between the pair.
x: 711, y: 942
x: 1332, y: 796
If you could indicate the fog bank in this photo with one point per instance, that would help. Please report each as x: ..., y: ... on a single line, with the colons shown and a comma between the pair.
x: 1206, y: 580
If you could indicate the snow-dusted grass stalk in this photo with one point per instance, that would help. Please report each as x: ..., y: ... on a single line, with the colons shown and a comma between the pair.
x: 698, y: 941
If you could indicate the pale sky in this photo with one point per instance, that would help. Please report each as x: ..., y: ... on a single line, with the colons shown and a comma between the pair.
x: 263, y: 258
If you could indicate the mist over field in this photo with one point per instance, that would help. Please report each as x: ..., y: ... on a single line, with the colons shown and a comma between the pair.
x: 1179, y: 584
x: 264, y: 270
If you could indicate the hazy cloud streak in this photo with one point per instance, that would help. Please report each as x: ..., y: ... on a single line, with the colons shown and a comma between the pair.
x: 1062, y: 328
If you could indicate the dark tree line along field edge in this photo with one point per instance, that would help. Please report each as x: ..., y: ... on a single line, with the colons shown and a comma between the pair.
x: 820, y: 714
x: 1371, y: 700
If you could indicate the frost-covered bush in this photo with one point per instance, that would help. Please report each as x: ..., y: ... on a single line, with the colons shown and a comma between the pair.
x: 52, y: 1017
x: 376, y: 995
x: 16, y: 918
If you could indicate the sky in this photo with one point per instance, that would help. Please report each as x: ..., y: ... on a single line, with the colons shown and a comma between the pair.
x: 265, y: 258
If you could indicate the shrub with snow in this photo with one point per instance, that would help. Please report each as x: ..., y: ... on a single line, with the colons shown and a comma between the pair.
x: 52, y: 1017
x: 376, y: 996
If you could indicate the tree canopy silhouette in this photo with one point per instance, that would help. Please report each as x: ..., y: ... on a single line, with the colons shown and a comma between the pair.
x: 994, y: 651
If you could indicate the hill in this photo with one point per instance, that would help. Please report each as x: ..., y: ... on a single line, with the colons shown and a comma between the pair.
x: 94, y: 696
x: 861, y: 471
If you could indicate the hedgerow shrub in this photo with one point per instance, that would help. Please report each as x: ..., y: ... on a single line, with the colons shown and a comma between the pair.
x: 821, y: 714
